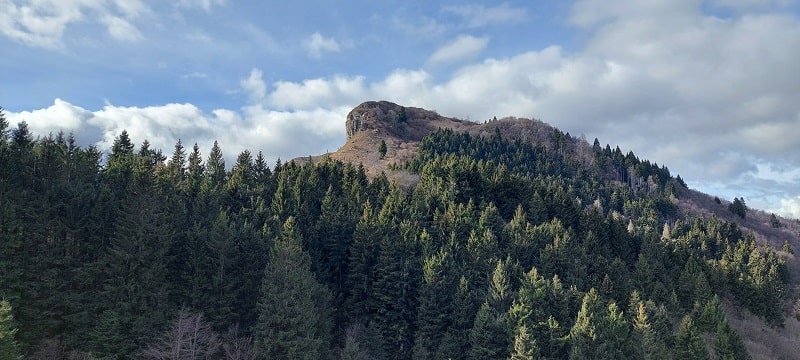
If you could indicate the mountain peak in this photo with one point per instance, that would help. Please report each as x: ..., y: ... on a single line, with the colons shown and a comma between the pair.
x: 386, y: 118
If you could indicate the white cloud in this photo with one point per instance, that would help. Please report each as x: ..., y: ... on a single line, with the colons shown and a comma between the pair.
x: 316, y: 44
x: 750, y: 4
x: 424, y: 27
x: 479, y: 15
x: 712, y: 98
x: 131, y: 8
x: 43, y: 23
x: 195, y: 75
x: 254, y: 85
x: 60, y: 116
x: 306, y: 129
x: 121, y: 29
x: 462, y: 48
x: 202, y: 4
x: 790, y: 207
x: 320, y: 92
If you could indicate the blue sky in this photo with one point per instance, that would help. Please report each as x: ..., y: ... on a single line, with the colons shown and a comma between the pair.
x: 709, y: 88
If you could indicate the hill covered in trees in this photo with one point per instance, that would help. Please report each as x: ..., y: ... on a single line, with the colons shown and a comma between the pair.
x: 509, y: 239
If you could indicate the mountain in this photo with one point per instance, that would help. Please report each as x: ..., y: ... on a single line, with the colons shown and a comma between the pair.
x: 403, y: 128
x: 421, y: 237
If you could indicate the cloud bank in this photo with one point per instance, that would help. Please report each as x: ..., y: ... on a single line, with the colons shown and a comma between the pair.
x: 713, y: 97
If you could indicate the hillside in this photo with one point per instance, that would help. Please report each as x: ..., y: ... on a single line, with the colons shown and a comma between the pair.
x: 502, y: 239
x: 372, y: 122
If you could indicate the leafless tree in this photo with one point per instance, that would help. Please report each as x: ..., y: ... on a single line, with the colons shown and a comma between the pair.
x: 237, y: 347
x: 189, y: 337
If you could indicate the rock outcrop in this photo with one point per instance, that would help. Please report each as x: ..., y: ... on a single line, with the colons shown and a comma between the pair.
x: 406, y: 123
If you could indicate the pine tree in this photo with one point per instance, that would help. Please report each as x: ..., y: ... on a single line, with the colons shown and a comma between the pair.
x: 491, y: 333
x: 396, y: 291
x: 524, y: 345
x: 294, y: 310
x: 435, y: 304
x: 650, y: 343
x: 728, y: 345
x: 363, y: 255
x: 135, y: 266
x: 584, y: 333
x: 9, y: 349
x: 121, y: 148
x: 688, y: 344
x: 382, y: 149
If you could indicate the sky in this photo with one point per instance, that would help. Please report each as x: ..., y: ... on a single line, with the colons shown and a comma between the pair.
x: 711, y: 89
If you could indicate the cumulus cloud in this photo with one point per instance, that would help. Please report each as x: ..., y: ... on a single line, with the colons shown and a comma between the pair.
x: 316, y: 45
x: 462, y: 48
x: 712, y: 98
x: 319, y: 92
x: 254, y: 85
x: 478, y: 15
x: 790, y: 207
x: 305, y: 130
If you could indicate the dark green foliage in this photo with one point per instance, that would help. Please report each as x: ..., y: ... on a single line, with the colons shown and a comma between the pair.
x: 601, y: 332
x: 9, y: 349
x: 524, y: 345
x: 491, y: 254
x: 650, y: 337
x: 738, y: 207
x: 491, y: 334
x: 434, y: 313
x: 774, y: 222
x: 294, y: 319
x: 396, y: 290
x: 382, y: 149
x: 728, y: 345
x: 688, y: 343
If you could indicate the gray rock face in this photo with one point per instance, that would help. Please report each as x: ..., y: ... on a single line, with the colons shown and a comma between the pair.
x: 375, y: 115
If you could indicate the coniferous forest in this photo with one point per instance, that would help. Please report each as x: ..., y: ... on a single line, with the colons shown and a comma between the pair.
x: 501, y: 250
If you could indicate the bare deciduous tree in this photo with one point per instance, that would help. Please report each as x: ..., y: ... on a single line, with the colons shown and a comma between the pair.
x: 239, y: 348
x: 189, y: 337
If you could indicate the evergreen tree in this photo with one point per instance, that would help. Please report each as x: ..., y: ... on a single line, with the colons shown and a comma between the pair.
x: 9, y: 349
x: 435, y: 304
x: 396, y: 291
x: 689, y: 344
x: 363, y: 255
x: 491, y: 333
x: 382, y: 149
x: 584, y: 333
x: 728, y: 345
x: 135, y: 267
x: 651, y: 345
x: 294, y: 310
x: 524, y: 345
x: 122, y: 147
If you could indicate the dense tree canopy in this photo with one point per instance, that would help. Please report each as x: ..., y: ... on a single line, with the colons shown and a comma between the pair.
x: 501, y: 250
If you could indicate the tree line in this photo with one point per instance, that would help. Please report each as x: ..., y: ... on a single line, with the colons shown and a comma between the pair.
x: 501, y: 250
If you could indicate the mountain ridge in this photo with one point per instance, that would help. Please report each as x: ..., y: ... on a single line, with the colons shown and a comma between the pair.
x: 402, y: 128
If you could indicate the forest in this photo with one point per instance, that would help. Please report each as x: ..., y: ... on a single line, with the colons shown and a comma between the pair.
x: 501, y: 250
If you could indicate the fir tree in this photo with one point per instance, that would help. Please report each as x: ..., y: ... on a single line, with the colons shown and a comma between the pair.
x: 9, y: 349
x: 294, y: 319
x: 728, y: 345
x: 688, y: 344
x: 524, y: 345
